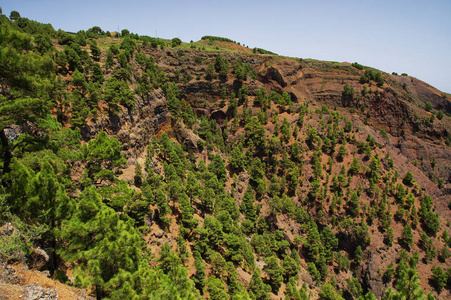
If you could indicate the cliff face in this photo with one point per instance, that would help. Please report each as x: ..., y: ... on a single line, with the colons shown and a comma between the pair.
x: 397, y: 106
x: 133, y: 128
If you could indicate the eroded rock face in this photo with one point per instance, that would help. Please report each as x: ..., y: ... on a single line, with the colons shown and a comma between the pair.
x: 306, y: 277
x: 133, y: 128
x: 372, y: 276
x: 33, y: 291
x: 203, y: 87
x: 243, y: 182
x: 275, y: 74
x: 186, y: 137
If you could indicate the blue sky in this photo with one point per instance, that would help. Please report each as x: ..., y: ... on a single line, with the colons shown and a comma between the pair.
x: 403, y: 36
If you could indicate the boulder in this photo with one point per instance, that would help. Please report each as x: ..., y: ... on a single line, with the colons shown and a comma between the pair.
x: 305, y: 277
x: 33, y: 291
x: 8, y: 275
x: 159, y: 234
x: 12, y: 133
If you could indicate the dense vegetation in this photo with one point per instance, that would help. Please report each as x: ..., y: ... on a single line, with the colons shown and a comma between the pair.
x: 287, y: 194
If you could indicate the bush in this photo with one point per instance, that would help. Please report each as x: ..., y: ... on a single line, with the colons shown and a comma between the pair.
x: 357, y: 66
x: 263, y: 51
x: 217, y: 38
x: 348, y: 91
x: 428, y: 106
x: 363, y: 79
x: 176, y: 42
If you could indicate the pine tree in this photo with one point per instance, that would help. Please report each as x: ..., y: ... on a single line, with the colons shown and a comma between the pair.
x: 118, y: 92
x: 314, y: 245
x: 439, y: 277
x: 258, y: 180
x: 21, y: 75
x: 216, y: 289
x: 109, y: 60
x: 187, y: 212
x: 199, y: 275
x: 257, y: 289
x: 341, y: 152
x: 103, y: 155
x: 408, y: 287
x: 217, y: 167
x: 330, y: 242
x: 290, y: 267
x: 97, y: 74
x: 354, y: 204
x: 407, y: 235
x: 355, y: 166
x: 328, y: 292
x: 79, y: 81
x: 247, y: 205
x: 274, y: 272
x: 192, y: 186
x: 237, y: 158
x: 99, y: 243
x: 95, y: 50
x: 354, y: 287
x: 163, y: 206
x: 210, y: 72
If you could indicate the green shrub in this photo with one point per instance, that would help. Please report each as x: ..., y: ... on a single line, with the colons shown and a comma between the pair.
x: 263, y: 51
x: 217, y: 38
x: 176, y: 42
x: 357, y: 66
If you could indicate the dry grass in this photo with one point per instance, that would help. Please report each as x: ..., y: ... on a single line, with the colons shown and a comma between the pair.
x: 26, y: 276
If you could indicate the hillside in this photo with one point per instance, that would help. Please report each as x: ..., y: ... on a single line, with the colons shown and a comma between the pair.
x: 138, y: 167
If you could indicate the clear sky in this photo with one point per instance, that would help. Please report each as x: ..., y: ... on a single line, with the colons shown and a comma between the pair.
x: 403, y: 36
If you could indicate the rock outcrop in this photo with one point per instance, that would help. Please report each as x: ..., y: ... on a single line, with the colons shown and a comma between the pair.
x: 33, y: 291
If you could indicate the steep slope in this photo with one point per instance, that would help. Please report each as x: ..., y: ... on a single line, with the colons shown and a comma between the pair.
x: 190, y: 171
